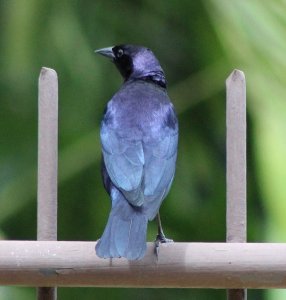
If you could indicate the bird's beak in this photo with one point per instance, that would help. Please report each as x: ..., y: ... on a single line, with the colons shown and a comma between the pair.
x: 106, y: 52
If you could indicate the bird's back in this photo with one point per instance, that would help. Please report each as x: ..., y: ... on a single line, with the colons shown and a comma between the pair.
x: 142, y: 121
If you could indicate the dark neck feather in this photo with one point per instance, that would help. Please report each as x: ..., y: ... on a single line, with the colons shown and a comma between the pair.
x: 156, y: 77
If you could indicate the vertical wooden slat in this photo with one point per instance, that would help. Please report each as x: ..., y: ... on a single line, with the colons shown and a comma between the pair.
x: 236, y: 165
x: 47, y: 164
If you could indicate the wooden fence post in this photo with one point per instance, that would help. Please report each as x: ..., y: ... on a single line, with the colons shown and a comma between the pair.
x: 236, y: 165
x: 47, y: 165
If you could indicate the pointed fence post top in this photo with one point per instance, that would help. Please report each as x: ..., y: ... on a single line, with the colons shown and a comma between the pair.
x: 47, y: 72
x: 235, y: 77
x: 48, y: 90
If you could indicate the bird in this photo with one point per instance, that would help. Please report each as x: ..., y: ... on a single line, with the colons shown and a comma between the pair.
x: 139, y: 140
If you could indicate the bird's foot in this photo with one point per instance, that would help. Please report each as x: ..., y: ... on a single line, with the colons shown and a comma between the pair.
x: 160, y: 239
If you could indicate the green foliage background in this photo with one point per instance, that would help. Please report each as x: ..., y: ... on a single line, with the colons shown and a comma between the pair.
x: 198, y: 44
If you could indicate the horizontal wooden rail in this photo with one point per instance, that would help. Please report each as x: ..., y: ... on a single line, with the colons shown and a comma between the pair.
x: 187, y: 265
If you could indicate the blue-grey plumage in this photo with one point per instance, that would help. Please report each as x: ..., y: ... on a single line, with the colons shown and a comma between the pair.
x: 139, y: 137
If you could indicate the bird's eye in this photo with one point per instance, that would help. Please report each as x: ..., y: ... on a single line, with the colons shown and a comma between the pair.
x: 119, y: 53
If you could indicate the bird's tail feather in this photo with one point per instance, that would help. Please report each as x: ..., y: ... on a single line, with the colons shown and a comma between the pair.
x: 125, y: 232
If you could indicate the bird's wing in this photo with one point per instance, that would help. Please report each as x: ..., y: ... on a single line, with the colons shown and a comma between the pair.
x: 124, y: 160
x: 159, y: 169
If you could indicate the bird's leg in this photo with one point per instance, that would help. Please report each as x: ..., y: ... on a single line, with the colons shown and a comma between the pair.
x: 160, y: 238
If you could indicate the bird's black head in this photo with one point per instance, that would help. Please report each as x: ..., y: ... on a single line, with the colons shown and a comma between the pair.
x: 135, y: 62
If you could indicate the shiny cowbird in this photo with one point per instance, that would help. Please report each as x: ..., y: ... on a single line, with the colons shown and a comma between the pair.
x: 139, y: 137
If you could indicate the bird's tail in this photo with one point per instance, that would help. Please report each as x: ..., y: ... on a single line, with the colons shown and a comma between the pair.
x: 125, y: 232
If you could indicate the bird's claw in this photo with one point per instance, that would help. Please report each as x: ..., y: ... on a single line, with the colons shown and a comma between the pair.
x: 160, y: 239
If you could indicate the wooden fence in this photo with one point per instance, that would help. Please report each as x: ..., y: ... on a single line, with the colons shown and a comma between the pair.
x: 235, y: 265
